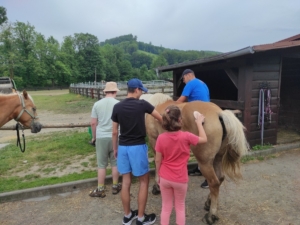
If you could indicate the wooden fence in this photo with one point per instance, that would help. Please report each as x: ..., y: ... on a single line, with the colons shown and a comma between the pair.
x: 97, y: 92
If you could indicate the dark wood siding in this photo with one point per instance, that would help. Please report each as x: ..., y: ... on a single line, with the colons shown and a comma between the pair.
x: 266, y: 70
x: 290, y: 94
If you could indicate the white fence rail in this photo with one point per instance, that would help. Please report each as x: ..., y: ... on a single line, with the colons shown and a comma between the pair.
x: 95, y: 90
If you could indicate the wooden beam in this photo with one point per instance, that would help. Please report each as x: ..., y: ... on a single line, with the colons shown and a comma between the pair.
x: 229, y: 104
x: 291, y: 55
x: 233, y: 76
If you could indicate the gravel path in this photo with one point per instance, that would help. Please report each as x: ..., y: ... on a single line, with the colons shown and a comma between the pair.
x: 269, y: 194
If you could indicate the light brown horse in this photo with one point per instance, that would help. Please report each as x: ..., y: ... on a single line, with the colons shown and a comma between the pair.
x: 219, y: 156
x: 21, y: 108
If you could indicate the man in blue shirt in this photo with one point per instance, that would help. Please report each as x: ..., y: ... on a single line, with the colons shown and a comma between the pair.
x: 194, y: 90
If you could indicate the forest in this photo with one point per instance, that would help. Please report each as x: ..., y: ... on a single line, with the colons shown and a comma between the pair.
x: 33, y: 60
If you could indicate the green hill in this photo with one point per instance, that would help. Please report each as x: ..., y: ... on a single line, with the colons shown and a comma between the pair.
x: 130, y: 45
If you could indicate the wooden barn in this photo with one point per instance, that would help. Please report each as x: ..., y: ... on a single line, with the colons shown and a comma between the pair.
x: 245, y: 78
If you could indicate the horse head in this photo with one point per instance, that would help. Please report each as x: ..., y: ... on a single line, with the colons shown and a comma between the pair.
x: 26, y: 113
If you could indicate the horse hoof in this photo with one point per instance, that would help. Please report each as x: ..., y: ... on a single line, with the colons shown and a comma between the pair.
x: 210, y: 219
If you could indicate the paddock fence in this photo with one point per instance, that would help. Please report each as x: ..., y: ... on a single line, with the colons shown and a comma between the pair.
x: 95, y: 90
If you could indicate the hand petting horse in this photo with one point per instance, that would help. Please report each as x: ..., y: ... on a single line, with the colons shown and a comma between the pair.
x: 21, y: 108
x: 226, y: 143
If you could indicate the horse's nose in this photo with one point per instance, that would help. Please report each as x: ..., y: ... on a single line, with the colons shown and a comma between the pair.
x: 36, y: 127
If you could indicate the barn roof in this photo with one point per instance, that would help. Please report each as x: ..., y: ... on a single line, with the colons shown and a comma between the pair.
x: 293, y: 41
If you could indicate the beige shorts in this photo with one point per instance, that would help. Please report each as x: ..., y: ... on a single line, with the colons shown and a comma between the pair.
x: 105, y: 153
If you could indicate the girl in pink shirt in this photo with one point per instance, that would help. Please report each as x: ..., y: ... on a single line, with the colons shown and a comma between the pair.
x: 172, y: 154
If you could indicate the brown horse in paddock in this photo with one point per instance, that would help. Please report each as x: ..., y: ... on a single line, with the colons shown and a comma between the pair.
x: 219, y: 156
x: 21, y: 108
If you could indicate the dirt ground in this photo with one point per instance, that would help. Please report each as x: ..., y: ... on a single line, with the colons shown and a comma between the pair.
x: 268, y: 194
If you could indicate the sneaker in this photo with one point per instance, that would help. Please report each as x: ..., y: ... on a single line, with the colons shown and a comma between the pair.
x: 128, y: 221
x: 205, y: 184
x: 149, y: 219
x: 98, y: 193
x: 195, y: 172
x: 116, y: 188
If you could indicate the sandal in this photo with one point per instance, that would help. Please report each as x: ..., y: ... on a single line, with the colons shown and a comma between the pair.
x: 97, y: 193
x: 116, y: 188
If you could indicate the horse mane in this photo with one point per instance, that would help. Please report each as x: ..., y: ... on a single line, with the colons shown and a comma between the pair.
x: 16, y: 93
x: 146, y: 97
x: 156, y: 99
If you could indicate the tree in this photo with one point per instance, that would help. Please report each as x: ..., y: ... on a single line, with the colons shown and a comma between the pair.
x: 131, y: 48
x: 117, y: 67
x: 3, y: 17
x: 68, y: 57
x: 8, y: 51
x: 24, y: 40
x: 125, y: 70
x: 40, y: 52
x: 158, y: 62
x: 56, y: 70
x: 138, y: 59
x: 88, y: 56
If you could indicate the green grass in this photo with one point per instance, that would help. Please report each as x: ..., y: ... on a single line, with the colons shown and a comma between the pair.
x: 247, y: 159
x: 18, y: 183
x: 148, y: 53
x: 261, y: 147
x: 66, y: 103
x: 52, y: 152
x: 48, y: 150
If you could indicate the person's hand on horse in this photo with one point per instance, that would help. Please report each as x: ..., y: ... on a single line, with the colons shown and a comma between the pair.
x: 199, y: 118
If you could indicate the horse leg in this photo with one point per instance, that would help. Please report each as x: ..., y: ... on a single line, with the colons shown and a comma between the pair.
x: 211, y: 203
x: 155, y: 188
x: 220, y: 175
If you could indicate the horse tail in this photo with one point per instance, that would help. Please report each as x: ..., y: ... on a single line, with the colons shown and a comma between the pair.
x: 234, y: 144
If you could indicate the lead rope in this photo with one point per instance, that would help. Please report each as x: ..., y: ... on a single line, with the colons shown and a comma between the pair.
x: 268, y: 106
x: 264, y: 110
x: 18, y: 137
x: 261, y: 112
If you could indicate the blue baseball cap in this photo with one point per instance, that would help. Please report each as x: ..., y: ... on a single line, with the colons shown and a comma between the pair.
x: 136, y: 83
x: 186, y: 71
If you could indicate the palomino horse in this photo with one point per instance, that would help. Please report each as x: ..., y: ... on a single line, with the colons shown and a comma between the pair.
x: 219, y: 156
x: 21, y: 108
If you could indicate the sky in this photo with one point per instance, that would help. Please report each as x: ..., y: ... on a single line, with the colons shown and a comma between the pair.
x: 216, y: 25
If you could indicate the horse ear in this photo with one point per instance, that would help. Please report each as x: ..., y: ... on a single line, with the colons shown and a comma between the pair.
x: 25, y: 94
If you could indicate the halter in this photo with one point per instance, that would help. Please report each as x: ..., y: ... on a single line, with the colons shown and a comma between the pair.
x: 18, y: 125
x: 24, y: 110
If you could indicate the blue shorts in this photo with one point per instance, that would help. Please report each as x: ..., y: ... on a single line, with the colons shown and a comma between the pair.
x: 133, y: 159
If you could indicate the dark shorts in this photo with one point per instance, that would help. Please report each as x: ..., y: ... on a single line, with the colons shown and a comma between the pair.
x: 105, y: 153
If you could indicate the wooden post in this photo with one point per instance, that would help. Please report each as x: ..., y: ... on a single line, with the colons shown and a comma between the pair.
x: 98, y: 94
